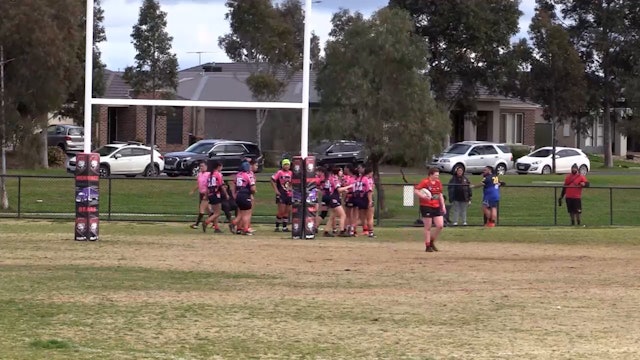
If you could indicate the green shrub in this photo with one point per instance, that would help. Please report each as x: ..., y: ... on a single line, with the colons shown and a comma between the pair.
x: 56, y: 156
x: 519, y: 151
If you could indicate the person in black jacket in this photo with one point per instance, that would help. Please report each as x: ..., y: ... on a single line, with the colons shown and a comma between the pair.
x: 460, y: 196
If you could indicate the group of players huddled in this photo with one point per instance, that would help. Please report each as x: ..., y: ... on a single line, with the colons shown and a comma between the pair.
x: 346, y: 197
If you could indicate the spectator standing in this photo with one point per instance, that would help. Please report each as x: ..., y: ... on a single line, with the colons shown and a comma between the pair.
x: 460, y: 196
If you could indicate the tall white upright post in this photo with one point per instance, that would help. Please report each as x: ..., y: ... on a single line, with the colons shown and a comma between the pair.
x: 306, y: 72
x: 88, y: 77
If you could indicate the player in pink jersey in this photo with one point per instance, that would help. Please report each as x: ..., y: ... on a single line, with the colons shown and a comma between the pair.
x: 281, y: 182
x: 243, y: 189
x: 363, y: 199
x: 323, y: 191
x: 368, y: 173
x: 201, y: 187
x: 335, y: 202
x: 351, y: 211
x: 214, y: 185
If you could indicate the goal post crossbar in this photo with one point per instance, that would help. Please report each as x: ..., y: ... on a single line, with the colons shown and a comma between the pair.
x: 198, y: 103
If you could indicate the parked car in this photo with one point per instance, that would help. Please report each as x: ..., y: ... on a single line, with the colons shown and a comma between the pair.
x: 129, y: 159
x: 69, y: 138
x: 230, y: 153
x: 540, y: 161
x: 473, y: 156
x: 339, y: 153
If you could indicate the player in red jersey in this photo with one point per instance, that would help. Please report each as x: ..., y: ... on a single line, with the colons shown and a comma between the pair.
x: 432, y: 208
x: 572, y: 190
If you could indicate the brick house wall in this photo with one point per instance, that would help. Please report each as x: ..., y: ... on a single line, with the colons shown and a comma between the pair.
x: 529, y: 137
x: 132, y: 126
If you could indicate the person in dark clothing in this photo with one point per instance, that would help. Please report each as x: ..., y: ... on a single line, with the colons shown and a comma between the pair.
x: 460, y: 193
x: 228, y: 205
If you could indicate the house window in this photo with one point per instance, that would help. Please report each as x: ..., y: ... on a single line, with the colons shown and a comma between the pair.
x: 174, y: 126
x: 512, y: 128
x: 566, y: 130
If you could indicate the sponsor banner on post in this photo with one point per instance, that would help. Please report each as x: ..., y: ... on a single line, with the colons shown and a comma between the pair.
x: 87, y: 197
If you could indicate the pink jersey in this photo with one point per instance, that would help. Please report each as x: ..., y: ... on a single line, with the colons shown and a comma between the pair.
x: 214, y: 183
x: 282, y: 178
x: 371, y: 182
x: 348, y: 180
x: 203, y: 177
x: 244, y: 182
x: 362, y: 186
x: 334, y: 183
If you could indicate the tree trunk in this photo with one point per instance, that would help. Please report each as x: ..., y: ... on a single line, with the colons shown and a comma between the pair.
x: 3, y: 141
x: 606, y: 135
x: 261, y: 118
x: 382, y: 206
x: 44, y: 156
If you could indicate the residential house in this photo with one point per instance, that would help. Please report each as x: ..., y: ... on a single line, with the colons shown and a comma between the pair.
x: 499, y: 118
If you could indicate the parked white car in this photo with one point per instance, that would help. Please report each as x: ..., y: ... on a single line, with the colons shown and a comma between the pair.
x: 473, y: 156
x: 129, y: 159
x: 540, y: 161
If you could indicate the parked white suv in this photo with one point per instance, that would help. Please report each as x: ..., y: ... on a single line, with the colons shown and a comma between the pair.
x: 473, y: 156
x: 129, y: 159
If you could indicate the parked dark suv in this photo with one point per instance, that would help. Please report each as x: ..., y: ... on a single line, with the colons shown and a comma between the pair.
x: 339, y: 153
x: 229, y: 152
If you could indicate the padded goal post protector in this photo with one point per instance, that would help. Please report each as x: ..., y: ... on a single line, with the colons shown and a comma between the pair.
x: 305, y: 199
x: 87, y: 197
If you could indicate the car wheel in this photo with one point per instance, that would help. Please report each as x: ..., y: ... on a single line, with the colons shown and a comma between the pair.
x: 104, y: 171
x: 151, y: 171
x: 194, y: 171
x: 546, y: 170
x: 456, y: 167
x: 501, y: 169
x: 583, y: 169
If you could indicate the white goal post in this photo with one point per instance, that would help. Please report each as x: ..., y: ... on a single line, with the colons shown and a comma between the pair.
x: 89, y: 100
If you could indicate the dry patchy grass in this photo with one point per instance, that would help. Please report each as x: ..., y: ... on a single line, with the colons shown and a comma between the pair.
x: 171, y: 293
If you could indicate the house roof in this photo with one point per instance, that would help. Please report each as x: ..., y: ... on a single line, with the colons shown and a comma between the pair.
x: 227, y: 82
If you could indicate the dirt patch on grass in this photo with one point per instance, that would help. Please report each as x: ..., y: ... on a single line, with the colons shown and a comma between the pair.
x: 359, y: 299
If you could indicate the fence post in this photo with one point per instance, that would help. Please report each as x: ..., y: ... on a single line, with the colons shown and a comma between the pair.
x: 109, y: 206
x: 610, y: 206
x: 19, y: 196
x: 555, y: 206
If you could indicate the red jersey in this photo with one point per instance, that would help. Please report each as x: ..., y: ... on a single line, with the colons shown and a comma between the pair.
x: 573, y: 188
x: 435, y: 187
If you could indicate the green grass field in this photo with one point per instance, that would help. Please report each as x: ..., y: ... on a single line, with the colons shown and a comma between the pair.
x: 162, y: 291
x: 527, y: 200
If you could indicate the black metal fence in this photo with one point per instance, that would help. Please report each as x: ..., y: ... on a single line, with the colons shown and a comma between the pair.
x: 168, y: 199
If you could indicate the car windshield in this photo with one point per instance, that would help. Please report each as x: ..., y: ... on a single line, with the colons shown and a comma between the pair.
x: 322, y: 148
x: 106, y: 150
x: 542, y: 153
x: 76, y: 131
x: 199, y: 148
x: 457, y: 149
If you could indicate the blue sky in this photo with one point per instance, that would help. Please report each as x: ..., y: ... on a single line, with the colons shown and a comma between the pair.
x: 196, y: 25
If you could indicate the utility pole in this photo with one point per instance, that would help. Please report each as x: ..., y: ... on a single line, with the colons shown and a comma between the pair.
x: 200, y: 54
x: 3, y: 143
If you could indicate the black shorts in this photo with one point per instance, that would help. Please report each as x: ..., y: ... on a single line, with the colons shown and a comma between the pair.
x: 244, y: 201
x: 362, y: 203
x: 334, y: 201
x: 284, y: 199
x: 229, y: 205
x: 215, y: 199
x: 574, y: 206
x: 349, y: 201
x: 326, y: 199
x: 430, y: 212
